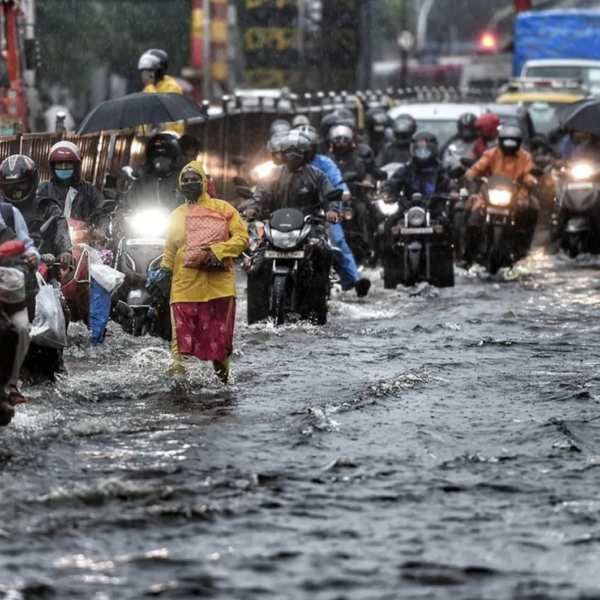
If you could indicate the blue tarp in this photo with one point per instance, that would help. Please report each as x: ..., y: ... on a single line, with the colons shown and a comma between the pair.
x: 559, y: 34
x: 99, y: 311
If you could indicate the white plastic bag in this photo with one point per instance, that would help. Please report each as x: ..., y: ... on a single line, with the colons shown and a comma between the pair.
x: 110, y: 279
x: 12, y: 286
x: 49, y: 328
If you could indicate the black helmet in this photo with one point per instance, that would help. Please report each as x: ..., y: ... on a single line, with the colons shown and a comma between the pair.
x: 278, y: 126
x: 404, y: 127
x: 510, y: 138
x: 341, y: 116
x: 163, y: 153
x: 466, y: 126
x: 296, y: 148
x: 377, y: 120
x: 155, y: 60
x: 19, y: 179
x: 424, y: 148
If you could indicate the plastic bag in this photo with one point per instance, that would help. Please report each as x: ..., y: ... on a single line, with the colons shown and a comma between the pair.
x: 99, y: 312
x: 110, y: 279
x: 203, y: 227
x: 49, y: 328
x: 12, y: 286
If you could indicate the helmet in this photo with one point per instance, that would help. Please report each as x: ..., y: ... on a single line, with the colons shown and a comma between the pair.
x: 466, y: 126
x: 488, y: 126
x: 19, y: 179
x: 404, y: 127
x: 274, y: 144
x: 279, y: 125
x: 510, y: 138
x: 338, y: 117
x: 424, y: 148
x: 312, y: 134
x: 64, y: 152
x: 299, y: 121
x: 296, y: 148
x: 163, y: 153
x: 377, y: 120
x: 341, y: 139
x: 154, y: 60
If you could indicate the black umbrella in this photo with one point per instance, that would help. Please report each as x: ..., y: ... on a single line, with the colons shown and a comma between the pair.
x: 582, y: 116
x: 142, y: 108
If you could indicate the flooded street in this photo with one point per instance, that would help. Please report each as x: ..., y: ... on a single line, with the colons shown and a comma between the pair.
x: 423, y: 439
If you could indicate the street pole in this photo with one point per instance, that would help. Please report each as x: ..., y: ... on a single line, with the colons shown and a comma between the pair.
x: 422, y: 19
x: 403, y: 50
x: 197, y: 47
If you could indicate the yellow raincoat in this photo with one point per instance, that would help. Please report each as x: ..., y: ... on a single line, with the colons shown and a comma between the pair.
x: 195, y: 285
x: 168, y: 85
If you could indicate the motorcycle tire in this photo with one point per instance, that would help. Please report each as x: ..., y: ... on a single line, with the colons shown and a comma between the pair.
x: 257, y: 306
x: 576, y: 245
x: 279, y: 307
x: 495, y: 259
x: 442, y: 268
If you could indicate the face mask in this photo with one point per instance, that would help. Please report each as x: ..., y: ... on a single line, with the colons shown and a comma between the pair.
x: 163, y: 166
x: 423, y: 153
x: 64, y: 174
x: 192, y: 191
x: 294, y: 160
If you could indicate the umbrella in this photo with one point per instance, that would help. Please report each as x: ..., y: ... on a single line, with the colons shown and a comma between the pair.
x: 582, y: 116
x: 142, y: 108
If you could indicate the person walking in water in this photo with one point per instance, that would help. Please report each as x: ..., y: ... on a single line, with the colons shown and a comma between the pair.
x: 204, y: 235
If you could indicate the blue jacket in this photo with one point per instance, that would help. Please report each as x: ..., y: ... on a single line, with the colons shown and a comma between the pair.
x: 325, y: 164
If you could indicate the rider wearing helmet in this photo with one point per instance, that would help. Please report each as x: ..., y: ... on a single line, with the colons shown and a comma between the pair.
x: 159, y: 178
x: 423, y: 173
x: 346, y: 267
x: 19, y: 181
x: 79, y: 200
x: 487, y: 126
x: 153, y: 66
x: 398, y: 150
x: 460, y: 145
x: 377, y: 121
x: 279, y: 126
x: 510, y: 160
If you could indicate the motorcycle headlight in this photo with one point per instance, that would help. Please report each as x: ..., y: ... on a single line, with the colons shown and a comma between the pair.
x: 415, y: 216
x: 582, y: 171
x: 388, y: 208
x: 500, y: 197
x: 284, y: 240
x: 150, y: 223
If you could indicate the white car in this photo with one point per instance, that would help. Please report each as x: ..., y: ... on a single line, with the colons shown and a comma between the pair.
x: 586, y: 71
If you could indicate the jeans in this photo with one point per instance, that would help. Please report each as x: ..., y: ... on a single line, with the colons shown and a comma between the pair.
x: 344, y: 263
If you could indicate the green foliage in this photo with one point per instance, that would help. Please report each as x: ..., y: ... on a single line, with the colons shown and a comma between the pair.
x: 77, y: 35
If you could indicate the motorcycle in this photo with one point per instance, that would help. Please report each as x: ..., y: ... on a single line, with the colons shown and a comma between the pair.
x: 140, y: 240
x: 577, y: 199
x: 292, y: 287
x: 419, y: 246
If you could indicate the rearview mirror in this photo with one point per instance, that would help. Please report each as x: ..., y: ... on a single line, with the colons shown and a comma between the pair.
x: 457, y: 172
x: 467, y: 162
x: 244, y: 192
x: 238, y: 161
x: 240, y: 181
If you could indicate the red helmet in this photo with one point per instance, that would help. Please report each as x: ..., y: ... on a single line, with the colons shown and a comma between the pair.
x: 488, y: 125
x: 64, y: 152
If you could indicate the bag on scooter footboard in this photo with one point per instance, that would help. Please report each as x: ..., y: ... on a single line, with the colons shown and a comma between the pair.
x: 99, y: 311
x: 49, y: 327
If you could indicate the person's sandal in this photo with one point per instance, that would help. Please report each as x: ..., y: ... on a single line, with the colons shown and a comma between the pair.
x: 15, y: 397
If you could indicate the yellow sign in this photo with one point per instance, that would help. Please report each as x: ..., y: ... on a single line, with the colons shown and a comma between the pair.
x: 278, y: 3
x: 281, y: 38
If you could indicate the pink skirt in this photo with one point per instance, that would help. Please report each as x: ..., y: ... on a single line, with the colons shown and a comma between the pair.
x: 205, y: 329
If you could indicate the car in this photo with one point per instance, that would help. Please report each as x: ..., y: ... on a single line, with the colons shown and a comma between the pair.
x: 441, y: 117
x: 586, y: 71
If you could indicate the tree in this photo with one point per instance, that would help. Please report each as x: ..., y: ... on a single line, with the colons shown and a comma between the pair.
x: 76, y: 36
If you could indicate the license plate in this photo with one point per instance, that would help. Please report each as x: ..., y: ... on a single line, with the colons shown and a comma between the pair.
x: 416, y: 230
x: 289, y: 255
x: 580, y: 186
x: 146, y: 242
x: 498, y: 211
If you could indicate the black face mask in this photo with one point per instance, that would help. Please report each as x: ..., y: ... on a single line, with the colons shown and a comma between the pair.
x: 294, y: 159
x: 192, y: 191
x: 163, y: 166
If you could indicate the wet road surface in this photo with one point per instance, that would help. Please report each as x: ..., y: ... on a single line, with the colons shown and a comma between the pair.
x: 425, y: 444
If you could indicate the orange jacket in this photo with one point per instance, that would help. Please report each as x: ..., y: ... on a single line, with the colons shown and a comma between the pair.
x: 518, y: 167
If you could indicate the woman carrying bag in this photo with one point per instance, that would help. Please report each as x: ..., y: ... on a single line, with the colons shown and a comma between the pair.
x: 203, y: 237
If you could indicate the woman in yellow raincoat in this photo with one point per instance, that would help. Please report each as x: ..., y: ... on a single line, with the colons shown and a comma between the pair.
x: 203, y: 298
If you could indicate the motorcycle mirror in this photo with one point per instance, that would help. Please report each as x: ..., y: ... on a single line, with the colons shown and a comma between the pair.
x: 240, y: 181
x: 238, y: 161
x: 559, y: 164
x: 244, y: 192
x: 457, y: 172
x: 334, y: 195
x: 467, y: 162
x: 47, y: 225
x: 351, y: 177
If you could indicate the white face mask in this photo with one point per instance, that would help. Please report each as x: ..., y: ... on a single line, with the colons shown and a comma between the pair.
x: 510, y: 143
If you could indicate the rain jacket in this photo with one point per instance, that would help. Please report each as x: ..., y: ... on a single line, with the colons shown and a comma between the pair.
x: 413, y: 179
x: 487, y: 125
x: 394, y: 152
x: 517, y: 168
x: 167, y: 85
x: 305, y: 190
x: 328, y: 166
x: 85, y: 204
x: 195, y: 285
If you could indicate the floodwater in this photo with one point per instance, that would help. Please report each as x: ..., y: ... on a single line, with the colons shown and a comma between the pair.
x: 425, y: 444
